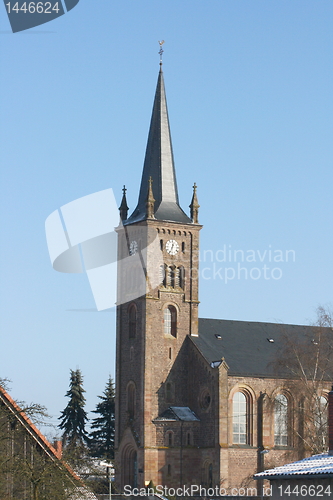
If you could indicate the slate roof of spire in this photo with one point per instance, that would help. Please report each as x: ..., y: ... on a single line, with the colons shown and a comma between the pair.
x: 159, y: 164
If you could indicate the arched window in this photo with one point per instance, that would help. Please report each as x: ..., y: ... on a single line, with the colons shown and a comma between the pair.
x: 170, y: 321
x: 169, y: 275
x: 182, y: 277
x: 324, y: 407
x: 320, y: 411
x: 169, y: 439
x: 167, y: 321
x: 321, y: 419
x: 281, y: 420
x: 173, y: 276
x: 177, y: 277
x: 131, y: 399
x: 162, y: 275
x: 240, y: 418
x: 188, y: 439
x: 132, y: 321
x: 205, y: 399
x: 129, y: 467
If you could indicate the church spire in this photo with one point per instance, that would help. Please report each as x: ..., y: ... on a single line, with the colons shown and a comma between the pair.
x: 150, y: 200
x: 123, y: 209
x: 159, y: 165
x: 194, y: 206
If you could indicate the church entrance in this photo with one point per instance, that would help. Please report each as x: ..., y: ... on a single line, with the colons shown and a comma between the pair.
x: 129, y: 466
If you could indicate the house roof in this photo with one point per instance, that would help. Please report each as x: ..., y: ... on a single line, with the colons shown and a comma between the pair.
x: 317, y: 466
x: 80, y: 492
x: 15, y: 409
x: 249, y: 348
x: 179, y: 413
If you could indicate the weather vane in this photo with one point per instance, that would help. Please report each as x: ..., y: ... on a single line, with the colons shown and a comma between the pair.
x: 161, y: 51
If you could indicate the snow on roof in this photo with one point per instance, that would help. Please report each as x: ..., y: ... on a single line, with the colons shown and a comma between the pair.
x: 82, y: 493
x: 312, y: 466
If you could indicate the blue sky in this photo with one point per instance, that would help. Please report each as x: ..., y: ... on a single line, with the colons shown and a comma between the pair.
x: 249, y: 89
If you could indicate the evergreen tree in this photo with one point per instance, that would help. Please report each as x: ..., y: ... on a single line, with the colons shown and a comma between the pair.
x: 102, y: 437
x: 73, y: 418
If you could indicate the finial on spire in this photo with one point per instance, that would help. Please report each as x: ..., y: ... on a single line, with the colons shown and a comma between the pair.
x: 161, y: 51
x: 150, y: 200
x: 123, y: 209
x: 194, y: 206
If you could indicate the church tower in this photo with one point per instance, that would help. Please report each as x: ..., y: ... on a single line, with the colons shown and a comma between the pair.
x: 157, y: 309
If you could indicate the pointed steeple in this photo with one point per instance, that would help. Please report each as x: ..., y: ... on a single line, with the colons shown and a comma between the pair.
x: 123, y: 209
x: 150, y: 200
x: 194, y: 206
x: 159, y: 165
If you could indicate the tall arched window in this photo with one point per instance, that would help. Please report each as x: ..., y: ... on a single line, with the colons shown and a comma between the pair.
x: 173, y: 274
x: 162, y: 275
x: 321, y: 419
x: 131, y: 399
x: 169, y: 274
x: 182, y: 277
x: 281, y: 420
x: 129, y: 467
x: 170, y: 321
x: 320, y: 412
x: 240, y: 419
x: 189, y: 439
x: 177, y: 277
x: 132, y: 321
x: 169, y: 439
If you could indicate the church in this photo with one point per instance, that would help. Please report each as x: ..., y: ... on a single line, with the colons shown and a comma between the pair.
x: 198, y: 401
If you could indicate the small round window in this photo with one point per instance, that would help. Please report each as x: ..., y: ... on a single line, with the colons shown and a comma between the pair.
x: 205, y: 399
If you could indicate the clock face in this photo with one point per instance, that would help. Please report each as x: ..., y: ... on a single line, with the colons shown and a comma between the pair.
x: 172, y: 247
x: 133, y: 247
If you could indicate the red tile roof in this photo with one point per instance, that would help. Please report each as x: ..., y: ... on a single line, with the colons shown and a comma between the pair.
x: 33, y: 431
